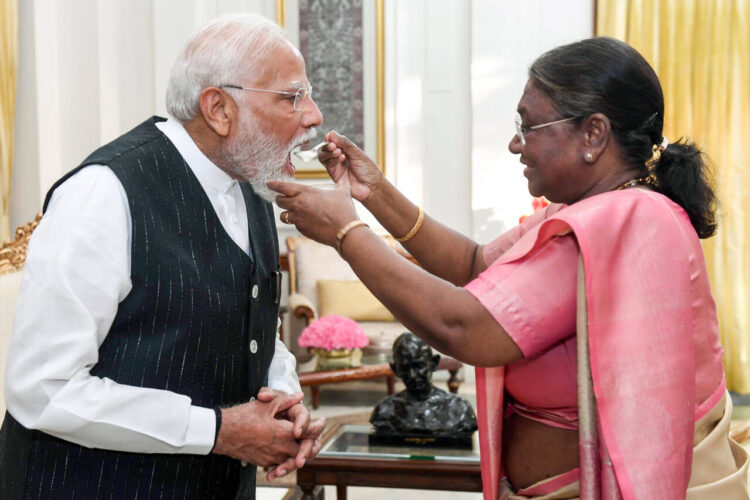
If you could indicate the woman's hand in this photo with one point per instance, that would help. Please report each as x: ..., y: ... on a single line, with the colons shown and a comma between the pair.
x: 342, y: 158
x: 317, y: 213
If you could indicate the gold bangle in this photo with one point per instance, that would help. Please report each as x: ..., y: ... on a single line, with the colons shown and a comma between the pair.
x: 417, y: 225
x: 341, y: 234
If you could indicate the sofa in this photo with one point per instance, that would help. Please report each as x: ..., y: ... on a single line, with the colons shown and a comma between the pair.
x: 12, y: 257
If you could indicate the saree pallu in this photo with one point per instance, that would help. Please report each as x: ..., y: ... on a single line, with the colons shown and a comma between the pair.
x: 641, y: 257
x: 719, y: 468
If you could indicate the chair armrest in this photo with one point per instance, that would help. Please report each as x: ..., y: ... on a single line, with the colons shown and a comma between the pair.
x: 302, y: 307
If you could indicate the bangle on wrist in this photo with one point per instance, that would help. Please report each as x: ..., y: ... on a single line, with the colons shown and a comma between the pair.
x: 417, y: 225
x: 344, y: 230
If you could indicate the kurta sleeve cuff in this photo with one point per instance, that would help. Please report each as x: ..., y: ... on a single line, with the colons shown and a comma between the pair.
x: 201, y: 434
x: 217, y: 411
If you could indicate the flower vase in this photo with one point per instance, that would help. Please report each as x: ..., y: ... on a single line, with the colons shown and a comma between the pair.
x: 337, y: 359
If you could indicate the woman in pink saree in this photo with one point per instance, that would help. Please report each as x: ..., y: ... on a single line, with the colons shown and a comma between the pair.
x: 632, y: 208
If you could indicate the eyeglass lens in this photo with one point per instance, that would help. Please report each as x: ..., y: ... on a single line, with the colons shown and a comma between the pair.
x: 300, y: 95
x: 518, y: 121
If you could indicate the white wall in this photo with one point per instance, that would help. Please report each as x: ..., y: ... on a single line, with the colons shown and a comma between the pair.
x: 90, y: 70
x: 506, y: 38
x: 429, y: 105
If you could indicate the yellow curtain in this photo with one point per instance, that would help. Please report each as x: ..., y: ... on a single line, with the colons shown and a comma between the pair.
x: 8, y: 69
x: 701, y: 51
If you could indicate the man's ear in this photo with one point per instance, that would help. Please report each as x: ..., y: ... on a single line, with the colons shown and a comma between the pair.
x: 597, y: 130
x: 218, y: 110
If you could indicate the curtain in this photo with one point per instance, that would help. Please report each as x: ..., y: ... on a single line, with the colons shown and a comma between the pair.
x: 701, y: 51
x: 8, y: 69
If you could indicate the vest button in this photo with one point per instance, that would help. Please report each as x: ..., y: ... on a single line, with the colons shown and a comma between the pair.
x: 255, y: 291
x: 253, y: 346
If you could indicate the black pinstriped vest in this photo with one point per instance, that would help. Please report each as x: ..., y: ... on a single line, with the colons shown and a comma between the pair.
x: 200, y: 321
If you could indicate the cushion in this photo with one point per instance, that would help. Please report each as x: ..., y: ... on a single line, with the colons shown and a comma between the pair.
x: 350, y: 299
x: 9, y: 285
x: 315, y: 261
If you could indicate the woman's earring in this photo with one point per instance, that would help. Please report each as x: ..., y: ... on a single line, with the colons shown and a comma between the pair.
x: 588, y: 157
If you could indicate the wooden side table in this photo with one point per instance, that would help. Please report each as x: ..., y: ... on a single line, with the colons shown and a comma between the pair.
x: 315, y: 379
x: 415, y: 468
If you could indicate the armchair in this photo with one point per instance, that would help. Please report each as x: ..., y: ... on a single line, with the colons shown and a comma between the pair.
x: 321, y: 283
x: 12, y: 258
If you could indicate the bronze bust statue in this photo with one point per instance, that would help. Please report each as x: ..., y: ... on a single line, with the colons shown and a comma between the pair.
x: 421, y: 409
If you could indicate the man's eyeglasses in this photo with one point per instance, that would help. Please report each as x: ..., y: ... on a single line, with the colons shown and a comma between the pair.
x: 522, y: 130
x: 297, y: 97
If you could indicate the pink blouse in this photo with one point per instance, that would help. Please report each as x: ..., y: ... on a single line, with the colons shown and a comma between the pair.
x: 542, y: 324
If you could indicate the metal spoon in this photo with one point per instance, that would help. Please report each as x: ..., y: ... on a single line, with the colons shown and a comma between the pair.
x: 310, y: 154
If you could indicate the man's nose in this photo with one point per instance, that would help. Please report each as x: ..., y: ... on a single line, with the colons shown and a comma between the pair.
x: 515, y: 145
x: 311, y: 115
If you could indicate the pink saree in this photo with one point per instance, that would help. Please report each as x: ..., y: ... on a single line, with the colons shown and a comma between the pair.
x: 640, y: 254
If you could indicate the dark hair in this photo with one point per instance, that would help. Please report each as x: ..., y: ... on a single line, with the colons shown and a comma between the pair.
x: 604, y: 75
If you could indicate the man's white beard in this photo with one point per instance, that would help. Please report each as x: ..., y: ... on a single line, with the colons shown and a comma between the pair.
x: 254, y: 156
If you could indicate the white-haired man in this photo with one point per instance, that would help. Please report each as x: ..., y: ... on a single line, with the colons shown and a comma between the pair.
x: 145, y: 361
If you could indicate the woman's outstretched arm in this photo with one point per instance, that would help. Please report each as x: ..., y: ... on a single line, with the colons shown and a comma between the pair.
x: 446, y: 316
x: 439, y: 249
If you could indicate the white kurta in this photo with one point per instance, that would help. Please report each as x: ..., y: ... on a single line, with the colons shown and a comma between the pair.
x: 76, y: 273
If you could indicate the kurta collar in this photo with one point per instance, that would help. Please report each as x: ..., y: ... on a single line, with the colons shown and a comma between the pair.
x: 208, y: 173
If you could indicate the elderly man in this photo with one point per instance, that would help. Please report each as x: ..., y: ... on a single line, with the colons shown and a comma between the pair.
x: 146, y: 324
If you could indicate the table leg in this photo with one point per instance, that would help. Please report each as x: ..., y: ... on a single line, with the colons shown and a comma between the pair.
x: 315, y: 396
x: 312, y: 492
x: 340, y: 492
x: 453, y: 382
x: 391, y: 381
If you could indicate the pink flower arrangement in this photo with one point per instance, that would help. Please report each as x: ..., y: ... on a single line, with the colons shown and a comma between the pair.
x: 333, y: 332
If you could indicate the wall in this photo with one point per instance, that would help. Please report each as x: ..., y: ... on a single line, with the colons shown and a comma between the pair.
x: 91, y: 69
x: 506, y: 38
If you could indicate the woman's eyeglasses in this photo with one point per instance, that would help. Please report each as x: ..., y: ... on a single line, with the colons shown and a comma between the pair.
x: 522, y: 130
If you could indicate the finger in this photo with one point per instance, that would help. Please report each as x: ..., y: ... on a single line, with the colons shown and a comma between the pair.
x: 315, y: 428
x: 300, y: 416
x: 286, y: 217
x: 342, y: 142
x: 266, y: 394
x: 286, y: 188
x: 305, y: 452
x: 284, y: 401
x: 332, y: 155
x: 284, y: 202
x: 324, y: 152
x: 284, y: 443
x: 282, y: 469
